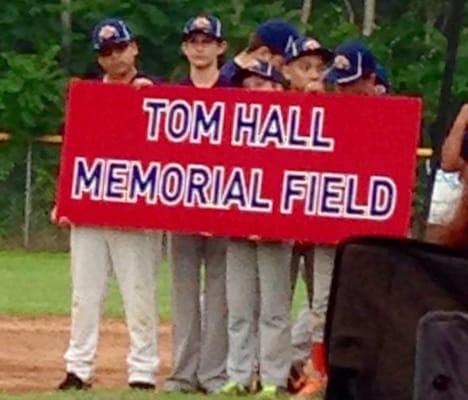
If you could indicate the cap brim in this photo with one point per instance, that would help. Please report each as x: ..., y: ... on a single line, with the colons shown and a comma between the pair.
x: 211, y: 35
x: 325, y: 54
x: 111, y: 42
x: 341, y: 77
x: 245, y: 73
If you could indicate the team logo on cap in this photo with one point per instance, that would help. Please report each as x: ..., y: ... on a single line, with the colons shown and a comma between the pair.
x: 107, y: 32
x: 290, y: 45
x: 311, y: 44
x: 201, y: 23
x: 341, y: 62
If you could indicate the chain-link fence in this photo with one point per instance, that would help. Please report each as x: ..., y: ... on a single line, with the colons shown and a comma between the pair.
x: 27, y: 190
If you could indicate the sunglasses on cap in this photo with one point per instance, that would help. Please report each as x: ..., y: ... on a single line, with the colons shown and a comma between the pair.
x: 107, y: 51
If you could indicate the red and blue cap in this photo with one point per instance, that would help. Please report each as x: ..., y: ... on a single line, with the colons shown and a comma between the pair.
x: 308, y: 46
x: 111, y: 31
x: 209, y: 25
x: 352, y: 60
x: 278, y: 35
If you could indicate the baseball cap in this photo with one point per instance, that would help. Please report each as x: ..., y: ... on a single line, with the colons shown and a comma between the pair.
x: 209, y: 25
x: 262, y: 69
x: 111, y: 31
x: 278, y: 35
x: 351, y: 61
x: 382, y: 81
x: 308, y: 46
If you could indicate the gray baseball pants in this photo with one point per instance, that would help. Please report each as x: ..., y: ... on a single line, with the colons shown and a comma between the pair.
x: 269, y: 262
x: 199, y: 350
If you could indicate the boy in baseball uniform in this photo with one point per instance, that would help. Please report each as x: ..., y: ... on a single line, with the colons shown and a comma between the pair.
x: 306, y: 63
x: 268, y: 43
x: 199, y: 350
x: 252, y: 262
x: 98, y: 252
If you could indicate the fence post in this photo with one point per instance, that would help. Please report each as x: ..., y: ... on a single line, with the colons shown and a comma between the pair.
x: 28, y: 197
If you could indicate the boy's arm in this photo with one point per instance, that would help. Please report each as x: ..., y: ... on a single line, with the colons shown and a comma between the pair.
x: 453, y: 145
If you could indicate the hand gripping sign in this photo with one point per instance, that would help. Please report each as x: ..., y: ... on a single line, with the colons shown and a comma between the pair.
x: 280, y: 166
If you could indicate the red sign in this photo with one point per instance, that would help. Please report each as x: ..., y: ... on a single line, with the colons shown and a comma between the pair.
x: 233, y: 162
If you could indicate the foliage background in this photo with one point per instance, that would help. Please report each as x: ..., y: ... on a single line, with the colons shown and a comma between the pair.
x: 44, y: 43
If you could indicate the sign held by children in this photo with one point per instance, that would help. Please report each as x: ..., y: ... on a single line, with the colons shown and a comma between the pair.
x: 316, y: 168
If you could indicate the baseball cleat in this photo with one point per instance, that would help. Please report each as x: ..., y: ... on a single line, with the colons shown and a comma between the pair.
x: 234, y: 389
x: 72, y: 382
x: 142, y: 386
x: 271, y: 392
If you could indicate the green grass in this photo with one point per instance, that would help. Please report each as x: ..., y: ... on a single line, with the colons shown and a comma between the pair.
x: 38, y: 284
x: 116, y: 394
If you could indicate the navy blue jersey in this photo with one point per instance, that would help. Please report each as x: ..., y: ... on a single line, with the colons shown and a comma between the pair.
x: 221, y: 82
x: 140, y: 74
x: 230, y: 72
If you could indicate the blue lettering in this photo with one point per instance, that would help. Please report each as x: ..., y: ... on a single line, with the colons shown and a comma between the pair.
x: 155, y: 108
x: 351, y: 207
x: 319, y: 142
x: 235, y: 192
x: 172, y: 184
x: 293, y: 127
x: 218, y: 175
x: 144, y: 183
x: 382, y: 197
x: 245, y: 125
x: 331, y: 194
x: 197, y: 184
x: 208, y: 124
x: 117, y: 175
x: 293, y: 188
x: 311, y: 203
x: 87, y: 180
x: 273, y: 128
x: 256, y: 201
x: 177, y: 121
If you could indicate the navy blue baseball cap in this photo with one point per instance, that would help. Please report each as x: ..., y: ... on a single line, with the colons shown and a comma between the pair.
x: 111, y: 31
x: 352, y: 60
x: 308, y: 46
x: 262, y: 69
x: 382, y: 80
x: 278, y: 35
x: 209, y: 25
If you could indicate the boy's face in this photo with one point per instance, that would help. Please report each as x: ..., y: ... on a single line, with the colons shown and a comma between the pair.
x: 202, y: 50
x: 258, y: 83
x: 306, y: 73
x: 363, y: 86
x: 118, y: 59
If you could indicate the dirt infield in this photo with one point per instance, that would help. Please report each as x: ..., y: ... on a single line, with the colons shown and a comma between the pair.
x: 31, y: 353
